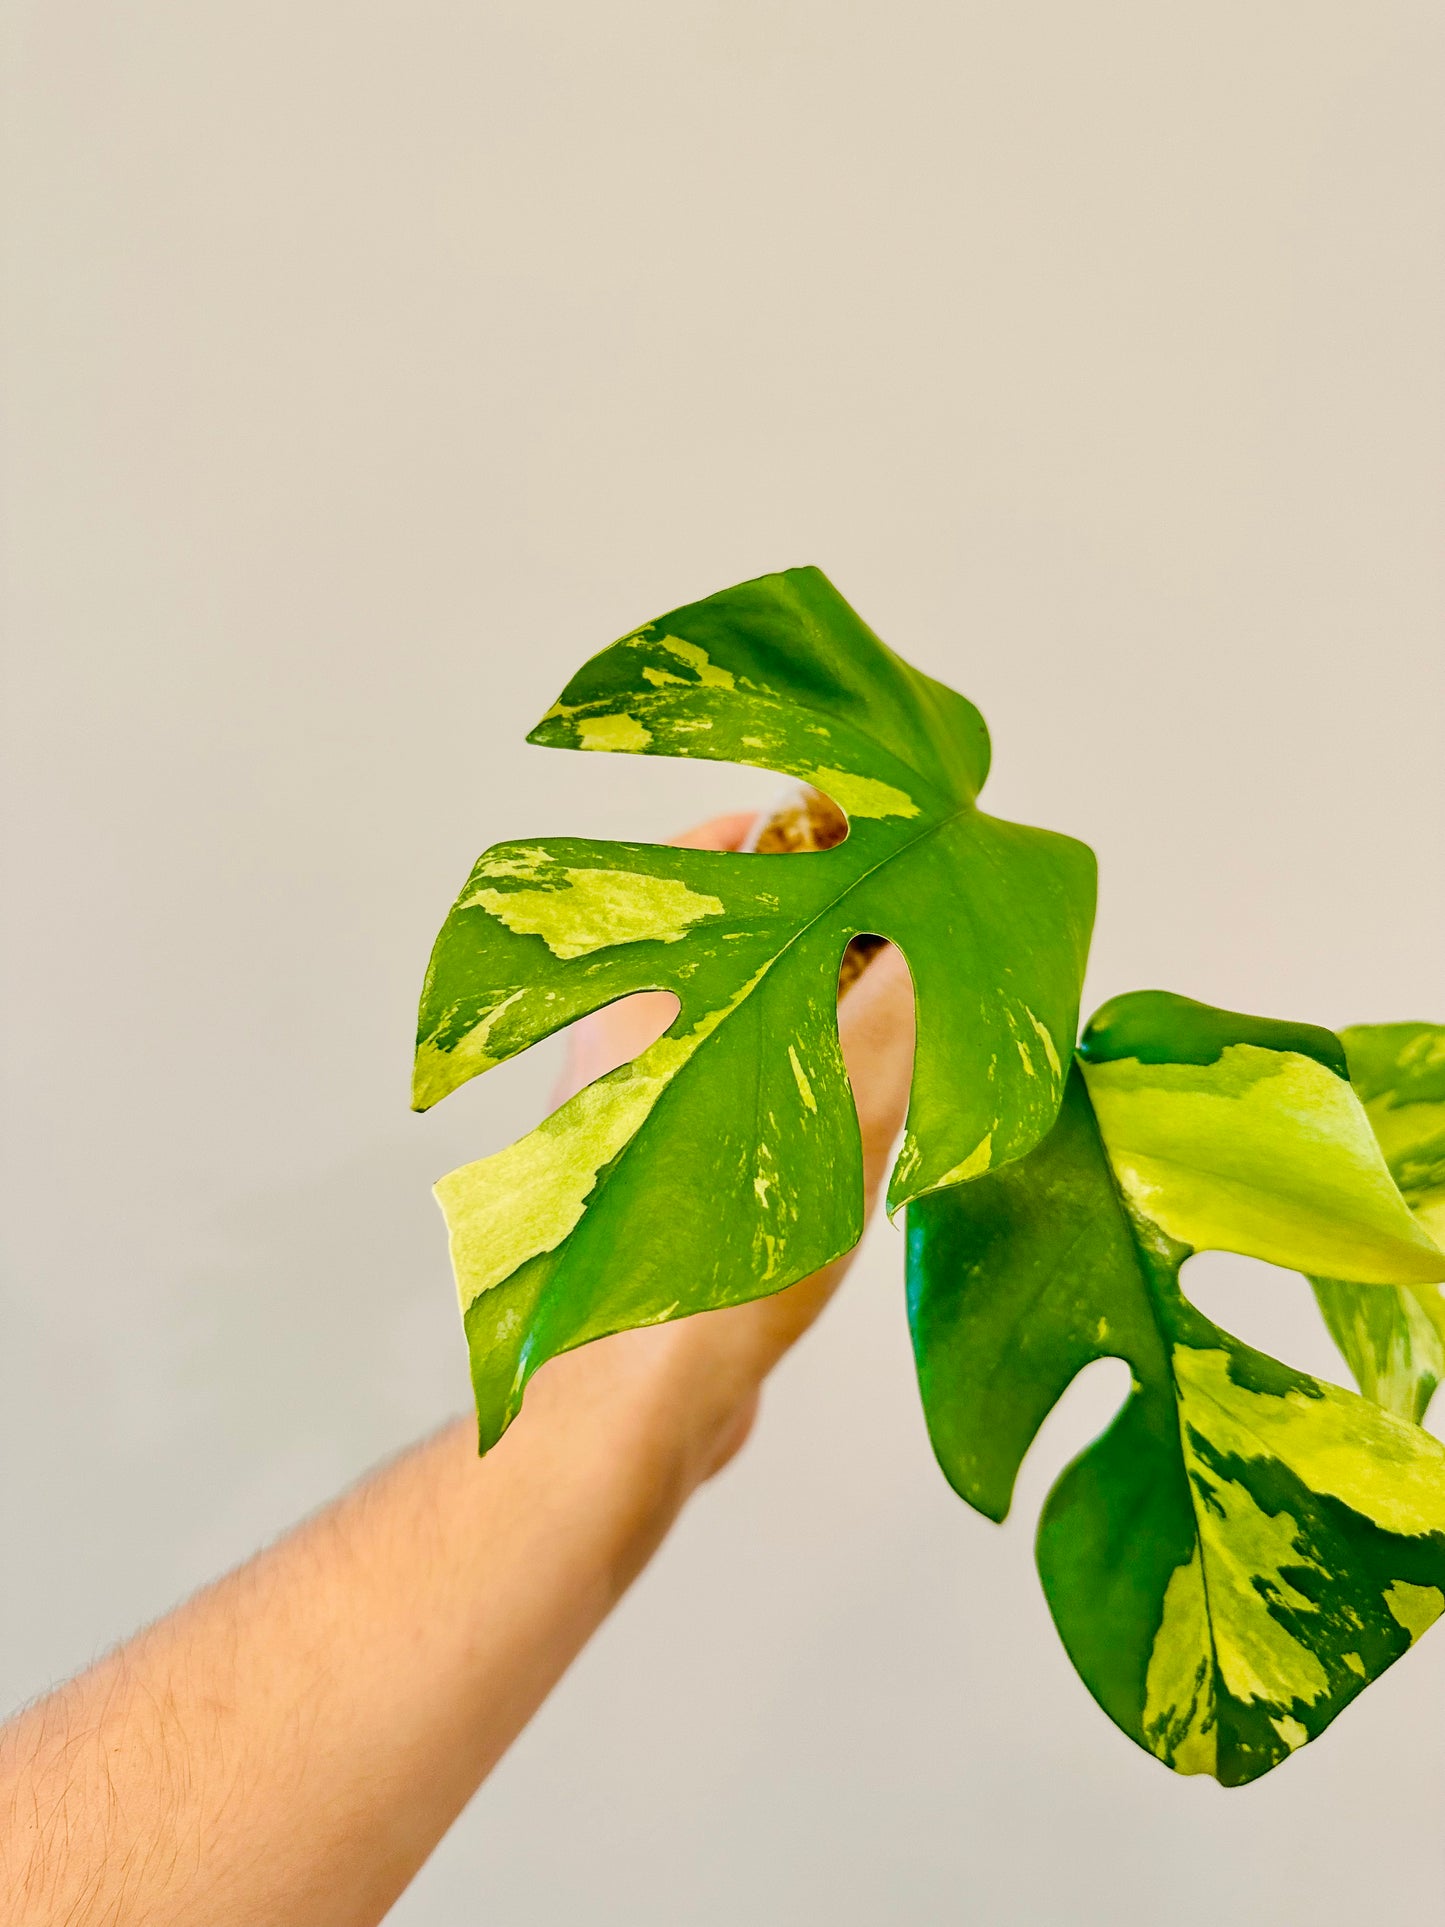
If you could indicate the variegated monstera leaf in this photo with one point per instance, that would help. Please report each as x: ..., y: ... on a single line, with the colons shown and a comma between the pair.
x: 1245, y: 1547
x: 1394, y: 1338
x: 723, y: 1163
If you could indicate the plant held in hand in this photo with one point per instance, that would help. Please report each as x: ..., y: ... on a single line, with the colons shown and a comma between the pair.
x: 597, y: 1221
x: 1245, y: 1547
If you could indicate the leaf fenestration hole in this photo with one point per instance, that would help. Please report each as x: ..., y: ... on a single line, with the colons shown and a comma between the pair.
x: 1267, y: 1307
x: 805, y: 820
x: 633, y: 1023
x: 1089, y: 1405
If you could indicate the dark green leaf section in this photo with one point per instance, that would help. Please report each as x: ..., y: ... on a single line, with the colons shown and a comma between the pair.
x: 1393, y: 1336
x: 808, y: 686
x: 1161, y: 1027
x: 723, y: 1163
x: 1245, y: 1547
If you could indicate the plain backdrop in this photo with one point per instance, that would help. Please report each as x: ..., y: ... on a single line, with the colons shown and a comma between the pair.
x: 370, y: 365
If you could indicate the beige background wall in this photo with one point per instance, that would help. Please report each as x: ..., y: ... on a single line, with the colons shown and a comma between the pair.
x: 368, y: 366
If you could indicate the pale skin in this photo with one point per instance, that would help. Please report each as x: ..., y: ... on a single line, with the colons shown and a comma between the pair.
x: 286, y: 1748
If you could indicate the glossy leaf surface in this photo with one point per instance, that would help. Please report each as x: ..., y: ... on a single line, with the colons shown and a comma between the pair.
x: 1245, y: 1547
x: 1393, y: 1337
x: 723, y: 1163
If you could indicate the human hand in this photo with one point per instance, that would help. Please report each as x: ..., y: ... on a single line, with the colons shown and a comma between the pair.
x: 694, y: 1384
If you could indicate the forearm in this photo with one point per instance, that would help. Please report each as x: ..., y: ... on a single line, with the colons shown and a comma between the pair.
x: 289, y: 1746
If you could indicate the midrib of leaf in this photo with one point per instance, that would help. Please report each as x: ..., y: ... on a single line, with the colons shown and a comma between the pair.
x: 1152, y: 1292
x: 1236, y: 1419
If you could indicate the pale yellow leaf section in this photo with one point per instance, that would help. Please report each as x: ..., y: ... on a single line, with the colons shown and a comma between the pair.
x: 1245, y: 1551
x: 911, y: 1156
x: 862, y: 795
x: 1266, y: 1153
x: 710, y: 675
x: 617, y: 732
x: 1220, y: 1608
x: 1339, y: 1443
x: 1045, y: 1036
x: 503, y: 1210
x: 436, y: 1072
x: 1416, y: 1608
x: 973, y: 1166
x: 800, y: 1078
x: 593, y: 909
x: 1179, y: 1708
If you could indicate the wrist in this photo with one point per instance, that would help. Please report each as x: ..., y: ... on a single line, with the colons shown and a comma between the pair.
x: 657, y: 1410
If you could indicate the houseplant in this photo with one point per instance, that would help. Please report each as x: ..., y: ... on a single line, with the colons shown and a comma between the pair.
x: 1245, y: 1548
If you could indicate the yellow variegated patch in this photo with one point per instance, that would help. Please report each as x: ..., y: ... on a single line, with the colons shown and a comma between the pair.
x: 1388, y: 1471
x: 973, y: 1166
x: 613, y: 732
x: 709, y: 674
x: 586, y: 910
x: 437, y: 1072
x: 1214, y: 1154
x: 1181, y: 1723
x: 505, y: 1209
x: 862, y: 795
x: 1416, y: 1608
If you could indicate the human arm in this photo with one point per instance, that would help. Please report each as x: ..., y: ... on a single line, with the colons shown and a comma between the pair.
x: 288, y: 1746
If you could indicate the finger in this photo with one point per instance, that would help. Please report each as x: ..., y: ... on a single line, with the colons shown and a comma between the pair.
x: 876, y: 1031
x: 728, y: 832
x: 599, y: 1043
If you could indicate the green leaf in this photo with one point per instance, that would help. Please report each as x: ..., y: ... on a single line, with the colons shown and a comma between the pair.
x: 723, y: 1163
x: 1393, y: 1337
x: 1245, y: 1547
